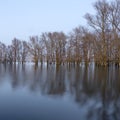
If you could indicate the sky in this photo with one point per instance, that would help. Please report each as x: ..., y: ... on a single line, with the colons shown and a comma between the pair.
x: 25, y: 18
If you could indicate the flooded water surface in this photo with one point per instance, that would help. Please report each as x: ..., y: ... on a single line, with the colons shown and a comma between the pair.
x: 59, y: 93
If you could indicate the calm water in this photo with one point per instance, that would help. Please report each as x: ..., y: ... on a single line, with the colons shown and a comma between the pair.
x: 65, y: 93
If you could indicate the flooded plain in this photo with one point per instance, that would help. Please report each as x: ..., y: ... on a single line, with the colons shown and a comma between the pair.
x: 59, y: 93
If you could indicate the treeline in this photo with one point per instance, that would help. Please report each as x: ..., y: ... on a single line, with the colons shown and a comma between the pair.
x: 98, y: 42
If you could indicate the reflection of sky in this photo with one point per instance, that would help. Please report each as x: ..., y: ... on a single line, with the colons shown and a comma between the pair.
x: 31, y: 17
x: 61, y: 93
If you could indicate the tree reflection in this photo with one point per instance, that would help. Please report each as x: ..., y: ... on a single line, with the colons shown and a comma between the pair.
x: 97, y: 89
x: 55, y: 81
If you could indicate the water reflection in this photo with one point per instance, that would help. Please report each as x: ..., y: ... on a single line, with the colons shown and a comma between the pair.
x: 95, y: 89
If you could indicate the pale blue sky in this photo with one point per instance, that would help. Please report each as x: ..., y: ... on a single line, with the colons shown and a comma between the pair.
x: 23, y: 18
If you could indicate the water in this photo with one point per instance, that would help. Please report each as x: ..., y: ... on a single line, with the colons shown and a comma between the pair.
x: 65, y: 93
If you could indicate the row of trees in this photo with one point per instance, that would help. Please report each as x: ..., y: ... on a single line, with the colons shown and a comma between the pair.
x: 100, y: 43
x: 55, y: 47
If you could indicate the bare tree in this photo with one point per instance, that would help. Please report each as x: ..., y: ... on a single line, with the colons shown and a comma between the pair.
x: 80, y: 45
x: 49, y: 47
x: 16, y: 46
x: 115, y: 14
x: 24, y: 51
x: 10, y: 54
x: 75, y: 45
x: 59, y: 39
x: 100, y: 23
x: 3, y: 56
x: 55, y: 46
x: 115, y: 29
x: 36, y: 47
x: 87, y: 46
